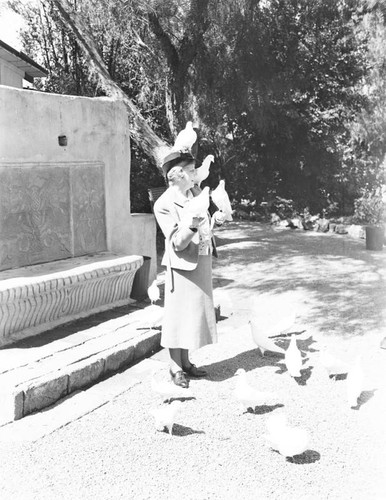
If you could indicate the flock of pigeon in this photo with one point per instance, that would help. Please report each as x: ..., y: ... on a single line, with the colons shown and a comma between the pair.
x: 289, y: 441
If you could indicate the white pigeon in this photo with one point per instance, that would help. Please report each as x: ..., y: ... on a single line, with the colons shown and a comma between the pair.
x: 198, y: 206
x: 354, y: 382
x: 288, y: 441
x: 276, y: 314
x: 166, y: 416
x: 285, y: 323
x: 152, y: 317
x: 186, y: 138
x: 248, y: 396
x: 168, y: 390
x: 293, y: 358
x: 153, y: 292
x: 221, y: 199
x: 333, y: 366
x: 203, y: 171
x: 260, y: 338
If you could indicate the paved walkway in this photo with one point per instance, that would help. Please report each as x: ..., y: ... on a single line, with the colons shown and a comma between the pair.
x: 111, y: 449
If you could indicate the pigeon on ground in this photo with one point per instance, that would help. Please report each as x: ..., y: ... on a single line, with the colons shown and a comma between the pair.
x: 293, y: 358
x: 153, y: 292
x: 275, y: 314
x: 151, y: 317
x: 168, y: 390
x: 288, y: 441
x: 333, y: 366
x: 354, y: 382
x: 198, y: 206
x: 166, y: 416
x: 248, y: 396
x: 186, y: 138
x: 260, y: 338
x: 284, y: 324
x: 203, y: 171
x: 221, y: 199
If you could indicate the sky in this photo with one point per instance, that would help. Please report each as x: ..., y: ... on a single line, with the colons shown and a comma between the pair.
x: 10, y: 24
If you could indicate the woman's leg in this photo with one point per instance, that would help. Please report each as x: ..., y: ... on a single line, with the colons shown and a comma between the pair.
x: 176, y: 368
x: 185, y: 363
x: 175, y: 360
x: 189, y: 368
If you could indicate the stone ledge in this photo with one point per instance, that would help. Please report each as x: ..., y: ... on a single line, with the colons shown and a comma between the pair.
x: 37, y: 298
x: 30, y: 391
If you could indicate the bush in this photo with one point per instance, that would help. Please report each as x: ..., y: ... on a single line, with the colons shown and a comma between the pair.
x: 370, y: 208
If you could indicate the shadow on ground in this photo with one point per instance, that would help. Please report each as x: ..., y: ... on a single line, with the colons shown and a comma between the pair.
x: 343, y: 283
x: 249, y: 360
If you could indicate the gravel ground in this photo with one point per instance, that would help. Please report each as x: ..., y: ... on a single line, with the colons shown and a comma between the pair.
x: 217, y: 451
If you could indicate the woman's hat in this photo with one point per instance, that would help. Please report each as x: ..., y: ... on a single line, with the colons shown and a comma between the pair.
x: 176, y: 158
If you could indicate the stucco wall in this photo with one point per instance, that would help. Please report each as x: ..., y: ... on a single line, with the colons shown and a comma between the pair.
x: 96, y: 130
x: 10, y: 75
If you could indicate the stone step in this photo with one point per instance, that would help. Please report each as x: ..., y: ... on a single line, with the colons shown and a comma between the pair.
x: 35, y: 373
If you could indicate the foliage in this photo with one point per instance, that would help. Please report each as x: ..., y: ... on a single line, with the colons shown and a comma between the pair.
x: 142, y: 177
x: 370, y: 208
x: 286, y: 90
x: 117, y: 26
x: 364, y: 148
x: 282, y: 207
x: 288, y: 96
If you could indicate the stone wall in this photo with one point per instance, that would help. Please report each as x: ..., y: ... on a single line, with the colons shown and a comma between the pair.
x: 60, y: 150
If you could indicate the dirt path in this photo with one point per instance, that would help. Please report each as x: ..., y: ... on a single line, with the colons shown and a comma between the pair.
x: 218, y: 451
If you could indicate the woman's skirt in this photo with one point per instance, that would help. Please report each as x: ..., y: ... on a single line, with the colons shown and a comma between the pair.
x: 189, y: 318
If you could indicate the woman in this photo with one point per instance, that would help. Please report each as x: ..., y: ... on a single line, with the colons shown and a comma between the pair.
x: 189, y: 318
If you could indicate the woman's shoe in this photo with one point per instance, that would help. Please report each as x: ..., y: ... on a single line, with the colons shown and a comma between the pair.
x: 180, y: 379
x: 195, y: 372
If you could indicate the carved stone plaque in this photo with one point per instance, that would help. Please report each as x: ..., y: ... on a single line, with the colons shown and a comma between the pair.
x: 50, y: 211
x: 34, y: 215
x: 88, y: 209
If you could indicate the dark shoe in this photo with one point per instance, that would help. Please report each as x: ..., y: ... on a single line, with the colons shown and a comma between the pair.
x: 195, y: 372
x: 180, y: 379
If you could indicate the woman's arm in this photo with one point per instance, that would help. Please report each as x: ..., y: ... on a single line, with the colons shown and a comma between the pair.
x: 180, y: 233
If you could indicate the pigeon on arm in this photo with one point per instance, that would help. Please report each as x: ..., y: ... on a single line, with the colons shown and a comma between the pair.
x: 221, y: 199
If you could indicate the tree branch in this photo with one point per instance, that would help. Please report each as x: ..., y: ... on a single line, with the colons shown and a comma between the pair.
x: 169, y: 49
x: 140, y: 131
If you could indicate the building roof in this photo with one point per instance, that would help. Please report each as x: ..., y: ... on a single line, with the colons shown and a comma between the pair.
x: 22, y: 61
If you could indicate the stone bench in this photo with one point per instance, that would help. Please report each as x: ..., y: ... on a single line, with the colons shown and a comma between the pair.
x: 36, y: 298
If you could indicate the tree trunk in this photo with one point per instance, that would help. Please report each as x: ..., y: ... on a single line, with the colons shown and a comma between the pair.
x: 180, y: 58
x: 140, y: 131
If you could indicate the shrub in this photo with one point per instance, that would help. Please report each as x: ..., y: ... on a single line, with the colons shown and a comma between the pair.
x: 370, y: 208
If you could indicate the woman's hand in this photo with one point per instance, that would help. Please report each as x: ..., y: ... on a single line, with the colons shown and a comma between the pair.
x: 196, y: 221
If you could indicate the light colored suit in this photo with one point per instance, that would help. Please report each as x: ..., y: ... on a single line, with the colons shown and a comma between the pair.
x: 181, y: 252
x: 189, y: 320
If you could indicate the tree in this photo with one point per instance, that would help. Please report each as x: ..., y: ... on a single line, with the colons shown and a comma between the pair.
x: 274, y: 84
x: 365, y: 149
x: 141, y: 132
x: 187, y: 29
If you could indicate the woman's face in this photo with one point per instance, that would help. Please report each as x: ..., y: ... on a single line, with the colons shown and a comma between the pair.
x: 189, y: 174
